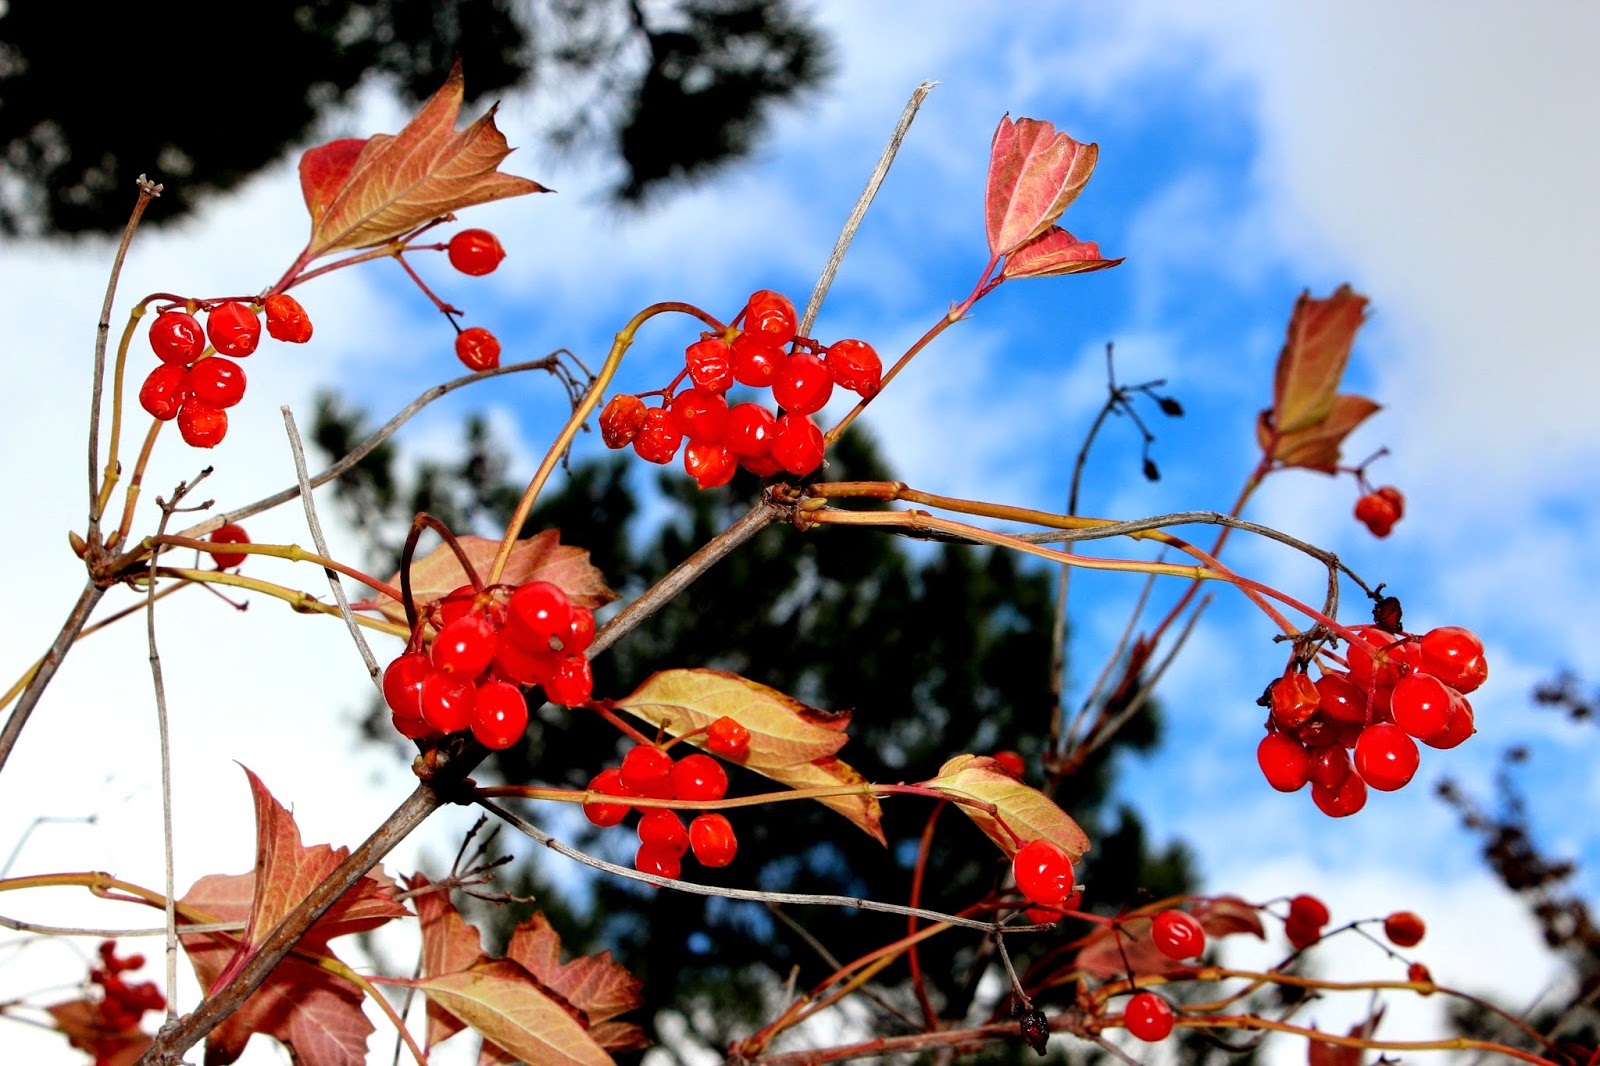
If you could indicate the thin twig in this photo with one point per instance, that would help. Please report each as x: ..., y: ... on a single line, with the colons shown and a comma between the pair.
x: 828, y: 957
x: 47, y: 669
x: 315, y: 526
x: 115, y: 934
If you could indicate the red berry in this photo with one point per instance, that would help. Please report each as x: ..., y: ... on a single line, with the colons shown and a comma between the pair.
x: 658, y: 861
x: 855, y: 365
x: 448, y: 700
x: 475, y: 251
x: 728, y: 738
x: 1011, y: 763
x: 1420, y: 705
x: 621, y: 419
x: 711, y: 836
x: 465, y: 646
x: 771, y: 313
x: 1309, y: 910
x: 711, y: 465
x: 1455, y: 656
x: 1330, y: 765
x: 608, y: 781
x: 797, y: 444
x: 756, y: 359
x: 572, y: 682
x: 1404, y: 929
x: 700, y: 416
x: 1043, y: 872
x: 201, y: 424
x: 1459, y: 728
x: 536, y: 612
x: 1340, y: 698
x: 1380, y: 510
x: 659, y: 439
x: 229, y: 534
x: 286, y: 319
x: 710, y: 365
x: 1148, y: 1017
x: 233, y: 329
x: 647, y: 770
x: 760, y: 465
x: 663, y: 829
x: 478, y: 349
x: 1385, y: 757
x: 499, y: 716
x: 1294, y: 699
x: 1378, y: 658
x: 698, y: 777
x: 1343, y: 801
x: 176, y: 337
x: 1417, y: 973
x: 1283, y: 762
x: 580, y: 630
x: 524, y: 665
x: 457, y: 603
x: 802, y: 386
x: 1301, y: 934
x: 402, y: 684
x: 1178, y: 935
x: 412, y: 727
x: 750, y: 430
x: 218, y: 381
x: 164, y: 390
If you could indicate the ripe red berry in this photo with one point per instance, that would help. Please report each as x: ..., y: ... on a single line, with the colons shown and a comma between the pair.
x: 1301, y: 934
x: 229, y: 534
x: 286, y: 319
x: 233, y: 329
x: 658, y: 861
x: 475, y: 251
x: 1380, y: 510
x: 771, y: 313
x: 499, y: 716
x: 522, y: 664
x: 750, y: 430
x: 176, y: 337
x: 1011, y: 762
x: 1294, y: 699
x: 1340, y: 698
x: 728, y: 738
x: 711, y: 836
x: 1385, y: 757
x: 1379, y: 658
x: 164, y: 390
x: 218, y: 381
x: 756, y: 359
x: 1178, y: 935
x: 1309, y: 910
x: 456, y: 603
x: 478, y: 349
x: 647, y: 770
x: 1148, y: 1017
x: 608, y: 781
x: 448, y: 700
x: 1330, y: 765
x: 572, y: 682
x: 711, y: 465
x: 659, y: 439
x: 663, y: 829
x: 1420, y: 705
x: 465, y: 646
x: 803, y: 386
x: 621, y: 419
x: 855, y: 365
x: 1455, y: 656
x: 1043, y: 872
x: 402, y: 683
x: 580, y: 630
x: 760, y: 465
x: 698, y: 777
x: 201, y: 424
x: 1404, y: 929
x: 700, y: 416
x: 1460, y: 727
x: 536, y: 612
x: 1283, y: 762
x: 710, y: 364
x: 1417, y: 973
x: 1343, y: 801
x: 797, y: 444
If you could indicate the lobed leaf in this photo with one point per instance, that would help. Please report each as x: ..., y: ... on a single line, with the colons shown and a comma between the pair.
x: 1054, y: 252
x: 1321, y: 1053
x: 1316, y: 447
x: 1028, y: 813
x: 502, y: 1001
x: 1034, y: 174
x: 1314, y: 357
x: 1103, y: 952
x: 449, y: 944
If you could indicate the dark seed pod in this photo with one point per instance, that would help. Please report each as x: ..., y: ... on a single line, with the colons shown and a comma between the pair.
x: 1035, y: 1029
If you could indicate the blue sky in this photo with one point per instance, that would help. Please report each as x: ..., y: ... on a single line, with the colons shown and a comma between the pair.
x: 1438, y: 159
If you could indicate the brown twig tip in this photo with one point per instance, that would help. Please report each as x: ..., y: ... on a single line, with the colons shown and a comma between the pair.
x: 149, y: 188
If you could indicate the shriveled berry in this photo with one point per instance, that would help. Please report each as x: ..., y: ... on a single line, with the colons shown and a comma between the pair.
x: 728, y: 738
x: 286, y: 319
x: 1283, y: 762
x: 608, y: 781
x: 1404, y: 929
x: 621, y: 419
x: 699, y: 778
x: 1455, y: 656
x: 475, y: 252
x: 661, y: 828
x: 1178, y: 935
x: 218, y: 381
x: 233, y: 329
x: 797, y: 444
x: 572, y: 682
x: 176, y: 337
x: 750, y: 430
x: 1044, y: 873
x: 164, y: 390
x: 465, y: 646
x: 201, y: 424
x: 448, y: 700
x: 659, y: 439
x: 477, y: 348
x: 658, y: 861
x: 402, y: 683
x: 711, y: 465
x: 1148, y: 1017
x: 1294, y: 699
x: 757, y: 359
x: 499, y: 716
x: 1385, y: 757
x: 229, y: 534
x: 710, y: 364
x: 771, y: 313
x: 713, y: 840
x: 855, y: 365
x: 646, y: 770
x: 803, y: 386
x: 700, y: 416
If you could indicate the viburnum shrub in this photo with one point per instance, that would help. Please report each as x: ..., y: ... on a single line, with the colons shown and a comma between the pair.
x: 484, y: 630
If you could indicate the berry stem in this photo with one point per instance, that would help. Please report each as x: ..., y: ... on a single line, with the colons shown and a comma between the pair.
x: 292, y: 552
x: 861, y: 405
x: 418, y: 524
x: 603, y: 709
x: 102, y: 498
x: 300, y: 602
x: 135, y: 485
x: 448, y: 310
x: 924, y: 846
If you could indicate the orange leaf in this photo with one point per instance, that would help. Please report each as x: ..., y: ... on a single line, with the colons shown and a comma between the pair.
x: 1316, y: 447
x: 1312, y: 363
x: 541, y: 557
x: 81, y: 1023
x: 1029, y: 813
x: 789, y: 741
x: 505, y: 1003
x: 1321, y: 1053
x: 449, y: 944
x: 1226, y: 915
x: 363, y: 193
x: 1103, y: 952
x: 1034, y: 174
x: 1052, y: 253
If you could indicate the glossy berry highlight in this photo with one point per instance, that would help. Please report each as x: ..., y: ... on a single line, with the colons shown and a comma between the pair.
x: 475, y: 252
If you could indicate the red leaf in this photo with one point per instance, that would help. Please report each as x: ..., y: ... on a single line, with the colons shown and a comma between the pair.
x: 314, y: 1013
x: 449, y: 944
x: 1034, y: 174
x: 81, y: 1023
x: 1103, y: 952
x: 505, y: 1003
x: 1054, y: 252
x: 1322, y: 1053
x: 1225, y: 915
x: 1314, y: 356
x: 1029, y: 813
x: 363, y: 193
x: 1316, y: 447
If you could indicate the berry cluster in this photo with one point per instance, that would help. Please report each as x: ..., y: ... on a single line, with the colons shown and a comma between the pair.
x: 487, y: 647
x: 1345, y: 732
x: 649, y: 772
x: 124, y: 1004
x: 198, y: 378
x: 764, y: 354
x: 1380, y: 509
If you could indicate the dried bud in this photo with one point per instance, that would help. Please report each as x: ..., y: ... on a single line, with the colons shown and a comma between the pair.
x: 1035, y: 1029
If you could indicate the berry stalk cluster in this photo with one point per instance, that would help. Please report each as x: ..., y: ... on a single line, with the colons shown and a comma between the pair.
x: 122, y: 1005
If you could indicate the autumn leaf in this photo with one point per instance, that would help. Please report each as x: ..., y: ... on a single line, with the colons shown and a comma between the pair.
x: 1322, y: 1053
x: 503, y: 1002
x: 449, y: 944
x: 1054, y: 252
x: 541, y: 557
x: 81, y: 1022
x: 1034, y: 174
x: 1309, y: 418
x: 1029, y: 813
x: 789, y: 742
x: 317, y: 1015
x: 1316, y: 447
x: 1114, y: 951
x: 363, y: 193
x: 1223, y: 916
